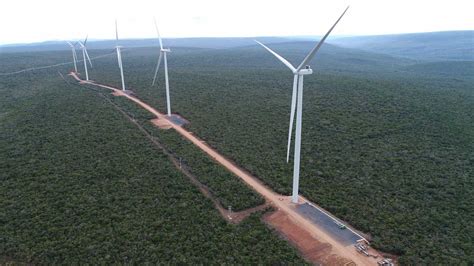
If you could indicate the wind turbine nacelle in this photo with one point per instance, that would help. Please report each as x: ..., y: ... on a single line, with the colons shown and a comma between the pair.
x: 305, y: 71
x: 165, y: 50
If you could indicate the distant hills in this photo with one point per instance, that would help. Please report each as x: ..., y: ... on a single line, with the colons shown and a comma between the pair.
x: 330, y: 58
x: 210, y: 43
x: 433, y: 46
x: 435, y: 54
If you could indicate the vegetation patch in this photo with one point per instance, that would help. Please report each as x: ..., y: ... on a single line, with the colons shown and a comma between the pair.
x: 80, y: 184
x: 386, y: 147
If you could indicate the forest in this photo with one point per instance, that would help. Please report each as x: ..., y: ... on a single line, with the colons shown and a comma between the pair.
x: 228, y: 189
x: 388, y: 144
x: 80, y: 184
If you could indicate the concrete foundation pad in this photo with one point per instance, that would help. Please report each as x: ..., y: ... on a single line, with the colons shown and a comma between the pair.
x: 328, y: 224
x: 177, y: 120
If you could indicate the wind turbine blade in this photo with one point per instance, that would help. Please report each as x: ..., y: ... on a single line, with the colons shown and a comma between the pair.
x: 158, y: 33
x: 292, y: 115
x: 85, y: 41
x: 88, y: 58
x: 116, y: 32
x: 283, y: 60
x: 320, y: 43
x: 70, y: 44
x: 157, y: 67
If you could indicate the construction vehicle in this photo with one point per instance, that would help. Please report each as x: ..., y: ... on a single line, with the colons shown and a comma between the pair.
x: 385, y: 262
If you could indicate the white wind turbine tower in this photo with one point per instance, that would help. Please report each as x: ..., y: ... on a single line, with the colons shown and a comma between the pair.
x: 74, y: 55
x: 84, y: 55
x: 119, y: 57
x: 297, y: 102
x: 163, y: 54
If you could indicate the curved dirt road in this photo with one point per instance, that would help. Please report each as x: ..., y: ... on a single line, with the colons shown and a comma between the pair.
x: 282, y: 203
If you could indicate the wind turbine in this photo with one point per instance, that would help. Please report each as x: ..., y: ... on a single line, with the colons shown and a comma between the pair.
x: 84, y: 55
x: 163, y: 54
x: 74, y: 55
x: 119, y: 57
x: 297, y: 103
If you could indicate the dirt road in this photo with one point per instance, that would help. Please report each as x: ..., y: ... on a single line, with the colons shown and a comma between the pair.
x: 282, y: 203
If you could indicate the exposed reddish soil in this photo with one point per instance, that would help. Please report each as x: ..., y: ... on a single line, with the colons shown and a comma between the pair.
x: 115, y: 93
x: 237, y: 217
x: 311, y: 248
x: 159, y: 122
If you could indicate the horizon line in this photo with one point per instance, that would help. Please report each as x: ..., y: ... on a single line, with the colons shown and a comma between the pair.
x: 224, y: 37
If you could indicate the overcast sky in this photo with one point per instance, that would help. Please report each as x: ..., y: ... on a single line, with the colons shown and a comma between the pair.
x: 39, y: 20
